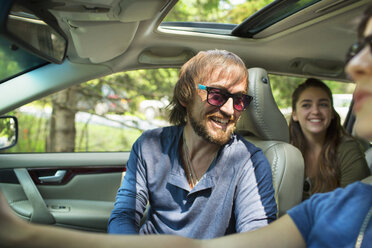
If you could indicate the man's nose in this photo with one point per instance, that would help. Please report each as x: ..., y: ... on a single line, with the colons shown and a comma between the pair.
x: 228, y: 107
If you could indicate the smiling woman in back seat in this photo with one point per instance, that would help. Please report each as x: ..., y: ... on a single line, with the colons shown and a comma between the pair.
x: 332, y: 157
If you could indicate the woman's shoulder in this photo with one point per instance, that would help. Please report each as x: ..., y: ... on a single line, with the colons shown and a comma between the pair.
x: 349, y: 143
x: 353, y: 165
x: 350, y: 151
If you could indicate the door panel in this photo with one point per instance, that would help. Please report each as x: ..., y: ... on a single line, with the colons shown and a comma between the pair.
x: 82, y: 199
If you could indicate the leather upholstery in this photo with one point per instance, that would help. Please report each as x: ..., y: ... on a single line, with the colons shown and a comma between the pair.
x: 264, y: 125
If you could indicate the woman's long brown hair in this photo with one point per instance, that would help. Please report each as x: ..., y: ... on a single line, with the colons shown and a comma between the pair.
x: 328, y: 171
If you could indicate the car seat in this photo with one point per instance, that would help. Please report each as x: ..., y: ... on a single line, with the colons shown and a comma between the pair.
x: 264, y: 125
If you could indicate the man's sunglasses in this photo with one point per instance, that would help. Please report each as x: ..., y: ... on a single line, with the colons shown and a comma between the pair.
x: 218, y: 97
x: 358, y: 46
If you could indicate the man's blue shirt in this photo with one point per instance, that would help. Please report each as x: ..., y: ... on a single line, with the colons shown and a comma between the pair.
x: 234, y: 195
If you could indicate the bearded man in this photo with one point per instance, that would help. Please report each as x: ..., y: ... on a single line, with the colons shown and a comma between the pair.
x: 198, y: 177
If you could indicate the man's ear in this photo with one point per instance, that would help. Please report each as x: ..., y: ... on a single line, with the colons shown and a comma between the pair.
x: 294, y: 115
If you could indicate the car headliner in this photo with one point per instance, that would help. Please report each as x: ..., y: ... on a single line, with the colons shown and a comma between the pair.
x: 112, y: 36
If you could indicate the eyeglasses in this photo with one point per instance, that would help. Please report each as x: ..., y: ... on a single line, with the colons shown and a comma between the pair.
x: 358, y: 46
x: 218, y: 97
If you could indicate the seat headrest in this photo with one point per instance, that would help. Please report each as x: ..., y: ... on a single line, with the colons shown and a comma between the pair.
x: 262, y: 118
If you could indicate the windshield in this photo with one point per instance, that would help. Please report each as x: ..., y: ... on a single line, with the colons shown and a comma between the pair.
x: 15, y: 60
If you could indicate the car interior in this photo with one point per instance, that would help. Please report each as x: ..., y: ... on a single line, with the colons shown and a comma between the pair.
x: 86, y: 40
x: 265, y: 126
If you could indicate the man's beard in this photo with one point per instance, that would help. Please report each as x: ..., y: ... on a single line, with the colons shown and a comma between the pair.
x: 202, y: 131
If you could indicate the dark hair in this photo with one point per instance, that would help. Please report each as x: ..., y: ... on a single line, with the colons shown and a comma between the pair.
x: 328, y: 175
x: 363, y: 22
x: 198, y: 70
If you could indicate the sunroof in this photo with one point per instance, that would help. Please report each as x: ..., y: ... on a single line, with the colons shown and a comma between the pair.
x: 242, y: 18
x: 214, y: 11
x: 271, y: 14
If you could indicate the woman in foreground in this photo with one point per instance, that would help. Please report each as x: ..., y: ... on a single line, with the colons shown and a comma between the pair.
x: 341, y: 218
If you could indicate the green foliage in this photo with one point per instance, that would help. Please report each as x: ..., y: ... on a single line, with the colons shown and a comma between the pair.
x: 214, y: 11
x: 282, y: 88
x: 196, y: 11
x: 7, y: 131
x: 32, y: 135
x: 34, y: 130
x: 99, y: 138
x: 242, y: 11
x: 339, y: 87
x: 136, y: 86
x: 150, y: 84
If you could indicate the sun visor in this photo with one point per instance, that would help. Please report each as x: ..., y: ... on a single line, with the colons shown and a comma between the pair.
x: 105, y: 10
x: 98, y: 24
x: 90, y: 37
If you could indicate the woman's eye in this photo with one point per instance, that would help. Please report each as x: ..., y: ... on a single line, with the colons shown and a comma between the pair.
x: 324, y: 105
x: 307, y: 105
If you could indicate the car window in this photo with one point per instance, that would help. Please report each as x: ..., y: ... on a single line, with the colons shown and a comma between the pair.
x: 110, y: 113
x: 283, y: 86
x: 105, y: 114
